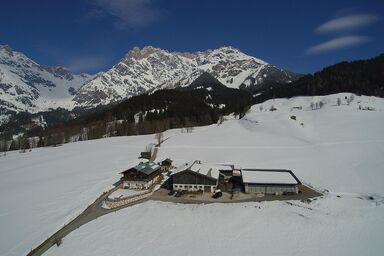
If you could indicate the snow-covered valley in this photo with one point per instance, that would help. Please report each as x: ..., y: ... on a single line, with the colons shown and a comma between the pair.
x: 336, y: 149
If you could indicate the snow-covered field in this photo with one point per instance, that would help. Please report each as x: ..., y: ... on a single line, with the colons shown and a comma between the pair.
x: 332, y: 226
x: 338, y: 148
x: 43, y: 189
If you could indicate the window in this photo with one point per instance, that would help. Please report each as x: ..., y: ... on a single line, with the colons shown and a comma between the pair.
x: 190, y: 186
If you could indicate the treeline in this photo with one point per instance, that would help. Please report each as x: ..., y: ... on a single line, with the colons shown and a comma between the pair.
x: 144, y: 114
x: 364, y: 77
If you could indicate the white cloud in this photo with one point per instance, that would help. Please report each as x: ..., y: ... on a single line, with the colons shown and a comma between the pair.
x: 347, y: 23
x: 129, y: 13
x: 338, y: 43
x: 86, y: 63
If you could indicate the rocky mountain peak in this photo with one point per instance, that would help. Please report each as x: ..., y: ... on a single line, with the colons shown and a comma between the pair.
x: 6, y: 49
x: 151, y: 68
x: 139, y: 54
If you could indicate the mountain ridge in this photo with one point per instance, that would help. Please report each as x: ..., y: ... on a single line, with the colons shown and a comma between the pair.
x: 26, y: 86
x: 162, y: 69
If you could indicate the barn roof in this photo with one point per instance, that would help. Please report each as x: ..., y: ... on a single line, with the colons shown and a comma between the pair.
x: 210, y: 170
x: 167, y: 160
x: 270, y: 177
x: 145, y: 167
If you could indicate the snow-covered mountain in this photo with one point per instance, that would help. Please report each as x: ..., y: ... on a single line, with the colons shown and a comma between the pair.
x: 31, y: 87
x: 150, y: 68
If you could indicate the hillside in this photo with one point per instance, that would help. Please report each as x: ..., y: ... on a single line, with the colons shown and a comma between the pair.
x: 204, y: 102
x: 363, y: 77
x: 337, y: 150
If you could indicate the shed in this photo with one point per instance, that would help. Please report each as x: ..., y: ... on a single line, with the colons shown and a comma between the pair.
x: 166, y: 164
x: 145, y: 155
x: 269, y: 181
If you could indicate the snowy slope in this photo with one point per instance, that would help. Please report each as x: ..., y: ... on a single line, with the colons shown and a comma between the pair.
x: 332, y: 150
x: 43, y: 189
x: 332, y: 226
x: 147, y: 69
x: 338, y: 148
x: 28, y: 86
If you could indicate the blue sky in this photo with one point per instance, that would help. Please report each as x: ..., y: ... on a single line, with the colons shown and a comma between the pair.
x: 92, y: 35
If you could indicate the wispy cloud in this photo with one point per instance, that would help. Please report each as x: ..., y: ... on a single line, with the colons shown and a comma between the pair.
x: 86, y: 63
x: 338, y: 43
x: 341, y: 28
x: 128, y: 13
x: 347, y: 23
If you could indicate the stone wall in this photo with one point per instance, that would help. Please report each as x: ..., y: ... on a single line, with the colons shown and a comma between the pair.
x: 114, y: 203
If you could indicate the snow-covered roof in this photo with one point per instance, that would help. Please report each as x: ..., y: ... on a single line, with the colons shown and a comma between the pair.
x: 145, y: 167
x: 269, y: 177
x: 210, y: 170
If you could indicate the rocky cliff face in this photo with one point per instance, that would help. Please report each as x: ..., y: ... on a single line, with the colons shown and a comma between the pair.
x: 148, y: 69
x: 28, y: 86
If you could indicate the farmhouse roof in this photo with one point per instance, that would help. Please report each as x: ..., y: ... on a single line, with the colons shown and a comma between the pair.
x: 209, y: 170
x: 145, y: 167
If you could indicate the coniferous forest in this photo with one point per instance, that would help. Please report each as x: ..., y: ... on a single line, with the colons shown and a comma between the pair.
x: 363, y: 77
x: 144, y: 114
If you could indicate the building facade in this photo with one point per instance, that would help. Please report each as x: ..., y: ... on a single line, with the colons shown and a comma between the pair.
x: 142, y: 176
x: 191, y: 181
x: 270, y: 181
x: 166, y: 164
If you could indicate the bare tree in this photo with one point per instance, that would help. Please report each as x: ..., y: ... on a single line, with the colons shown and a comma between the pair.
x: 312, y: 105
x: 148, y: 148
x: 221, y: 119
x: 159, y: 138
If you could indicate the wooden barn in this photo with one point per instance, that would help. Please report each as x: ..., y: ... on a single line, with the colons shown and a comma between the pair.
x: 269, y: 181
x: 195, y: 177
x: 142, y: 176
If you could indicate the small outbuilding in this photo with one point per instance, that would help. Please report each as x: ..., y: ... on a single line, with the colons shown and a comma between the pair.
x: 166, y: 164
x: 269, y: 181
x: 145, y: 155
x: 141, y: 176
